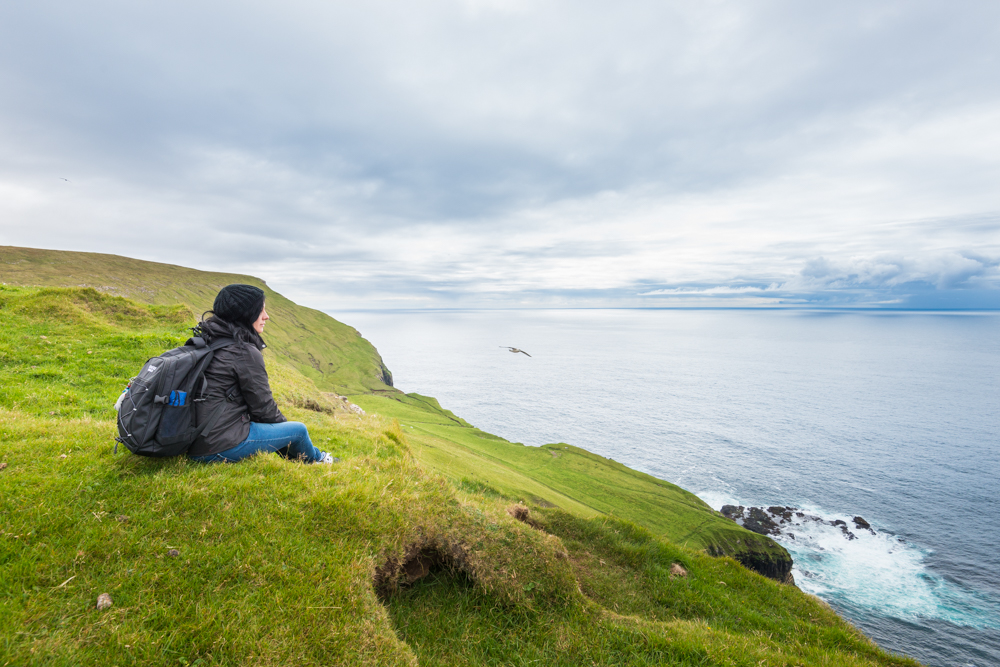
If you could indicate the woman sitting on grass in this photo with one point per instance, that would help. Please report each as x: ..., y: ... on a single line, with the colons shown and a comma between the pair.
x: 250, y: 421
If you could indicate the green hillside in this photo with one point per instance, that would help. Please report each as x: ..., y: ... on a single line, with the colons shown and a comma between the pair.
x: 332, y: 354
x: 573, y: 479
x: 373, y: 561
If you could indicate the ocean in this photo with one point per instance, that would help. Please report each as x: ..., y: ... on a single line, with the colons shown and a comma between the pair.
x: 890, y: 416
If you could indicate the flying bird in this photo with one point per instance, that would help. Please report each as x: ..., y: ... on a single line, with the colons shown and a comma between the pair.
x: 65, y: 179
x: 515, y: 350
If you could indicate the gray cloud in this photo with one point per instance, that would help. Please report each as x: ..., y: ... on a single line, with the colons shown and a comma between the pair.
x: 506, y: 152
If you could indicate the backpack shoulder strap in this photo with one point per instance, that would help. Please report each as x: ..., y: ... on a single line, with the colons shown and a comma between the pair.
x: 199, y: 370
x: 216, y: 344
x: 220, y: 343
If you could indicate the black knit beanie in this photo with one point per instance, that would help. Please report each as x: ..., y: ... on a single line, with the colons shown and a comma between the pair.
x: 239, y: 304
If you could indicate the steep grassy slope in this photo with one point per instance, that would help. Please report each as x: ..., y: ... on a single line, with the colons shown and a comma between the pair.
x: 271, y: 562
x: 332, y: 354
x: 560, y: 475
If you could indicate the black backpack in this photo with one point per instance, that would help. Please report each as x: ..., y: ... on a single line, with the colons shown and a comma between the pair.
x: 156, y: 415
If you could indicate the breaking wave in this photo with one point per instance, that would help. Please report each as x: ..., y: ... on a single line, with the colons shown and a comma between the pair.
x: 873, y: 572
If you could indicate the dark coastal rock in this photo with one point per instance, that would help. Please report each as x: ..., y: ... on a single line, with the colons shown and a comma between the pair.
x: 755, y: 519
x: 385, y: 376
x: 760, y: 522
x: 773, y: 562
x: 779, y: 569
x: 777, y: 519
x: 732, y: 512
x: 848, y: 534
x: 784, y: 512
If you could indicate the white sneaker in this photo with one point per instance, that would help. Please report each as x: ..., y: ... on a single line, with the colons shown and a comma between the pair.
x: 327, y: 458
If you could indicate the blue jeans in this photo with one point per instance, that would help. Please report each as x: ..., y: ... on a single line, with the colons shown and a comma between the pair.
x: 290, y: 439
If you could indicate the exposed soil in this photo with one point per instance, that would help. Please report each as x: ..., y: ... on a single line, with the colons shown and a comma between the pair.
x: 523, y: 514
x: 419, y: 560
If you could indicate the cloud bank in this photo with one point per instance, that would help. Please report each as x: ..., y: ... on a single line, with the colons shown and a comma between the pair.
x: 475, y: 153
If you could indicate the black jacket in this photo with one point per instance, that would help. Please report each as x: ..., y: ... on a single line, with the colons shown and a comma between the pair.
x: 237, y: 378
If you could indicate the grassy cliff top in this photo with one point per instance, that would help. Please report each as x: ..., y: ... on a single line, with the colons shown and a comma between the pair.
x: 376, y: 560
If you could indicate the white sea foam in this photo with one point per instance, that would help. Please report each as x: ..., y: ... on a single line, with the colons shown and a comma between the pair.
x: 876, y: 572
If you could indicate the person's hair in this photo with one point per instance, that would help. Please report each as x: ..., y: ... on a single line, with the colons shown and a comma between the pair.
x: 213, y: 326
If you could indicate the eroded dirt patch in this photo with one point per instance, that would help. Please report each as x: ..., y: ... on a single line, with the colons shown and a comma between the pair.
x: 523, y: 514
x: 419, y: 560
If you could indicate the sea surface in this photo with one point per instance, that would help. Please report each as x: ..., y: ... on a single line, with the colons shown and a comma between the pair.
x: 891, y: 416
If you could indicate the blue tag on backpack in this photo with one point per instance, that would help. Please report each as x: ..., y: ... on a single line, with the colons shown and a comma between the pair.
x: 178, y: 398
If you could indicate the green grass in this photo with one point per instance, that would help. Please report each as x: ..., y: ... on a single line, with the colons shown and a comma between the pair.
x: 573, y: 479
x: 59, y: 347
x: 276, y: 559
x: 634, y: 611
x: 332, y: 354
x: 279, y: 563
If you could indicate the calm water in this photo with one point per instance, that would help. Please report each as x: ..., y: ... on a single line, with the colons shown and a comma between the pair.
x: 891, y: 416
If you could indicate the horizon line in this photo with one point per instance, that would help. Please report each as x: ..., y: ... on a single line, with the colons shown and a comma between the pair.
x: 768, y: 308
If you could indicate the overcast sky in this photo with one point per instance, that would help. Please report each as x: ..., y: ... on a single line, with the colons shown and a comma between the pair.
x: 505, y: 153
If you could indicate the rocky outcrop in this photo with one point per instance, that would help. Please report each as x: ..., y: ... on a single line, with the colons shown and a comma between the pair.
x: 385, y: 377
x: 762, y: 556
x: 777, y: 520
x: 758, y: 554
x: 760, y: 522
x: 779, y: 569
